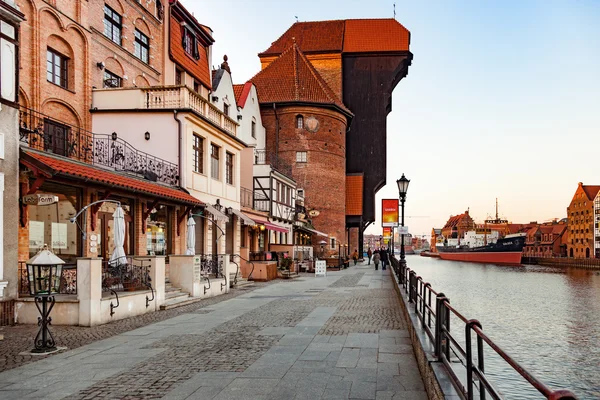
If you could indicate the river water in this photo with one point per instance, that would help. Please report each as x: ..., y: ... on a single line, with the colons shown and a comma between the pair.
x: 547, y: 319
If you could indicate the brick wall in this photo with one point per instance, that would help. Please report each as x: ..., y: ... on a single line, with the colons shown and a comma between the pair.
x: 75, y: 30
x: 323, y: 176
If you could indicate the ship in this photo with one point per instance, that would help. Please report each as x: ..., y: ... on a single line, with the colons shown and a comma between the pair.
x: 486, y: 243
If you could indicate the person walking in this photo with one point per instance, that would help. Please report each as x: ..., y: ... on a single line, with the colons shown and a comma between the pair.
x: 385, y: 259
x: 355, y: 256
x: 369, y: 255
x: 376, y: 259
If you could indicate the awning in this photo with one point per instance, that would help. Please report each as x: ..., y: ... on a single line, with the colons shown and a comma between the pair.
x: 270, y: 226
x: 311, y: 230
x: 73, y: 169
x: 247, y: 220
x: 219, y: 216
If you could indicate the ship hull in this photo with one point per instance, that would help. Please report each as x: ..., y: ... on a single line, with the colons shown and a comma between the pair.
x: 504, y: 258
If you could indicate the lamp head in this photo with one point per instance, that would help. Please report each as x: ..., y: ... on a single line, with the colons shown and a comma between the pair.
x: 402, y: 185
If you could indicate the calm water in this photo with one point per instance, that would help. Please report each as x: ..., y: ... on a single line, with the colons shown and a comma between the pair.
x: 548, y: 319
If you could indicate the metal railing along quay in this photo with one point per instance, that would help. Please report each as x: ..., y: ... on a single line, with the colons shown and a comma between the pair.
x: 434, y: 310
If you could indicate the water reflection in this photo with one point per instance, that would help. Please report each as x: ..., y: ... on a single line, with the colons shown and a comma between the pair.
x: 546, y: 318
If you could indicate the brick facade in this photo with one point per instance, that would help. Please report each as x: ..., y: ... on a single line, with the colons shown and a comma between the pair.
x: 325, y: 165
x: 580, y: 214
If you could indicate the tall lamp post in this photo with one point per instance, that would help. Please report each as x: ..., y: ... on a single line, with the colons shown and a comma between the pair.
x: 402, y: 189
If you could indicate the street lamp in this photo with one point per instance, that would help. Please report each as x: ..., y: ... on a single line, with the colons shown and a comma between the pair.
x: 402, y: 189
x: 44, y: 271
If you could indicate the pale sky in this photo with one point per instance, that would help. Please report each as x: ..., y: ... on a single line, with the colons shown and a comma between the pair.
x: 502, y: 98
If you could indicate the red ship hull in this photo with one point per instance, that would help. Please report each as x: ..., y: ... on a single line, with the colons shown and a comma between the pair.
x: 504, y: 258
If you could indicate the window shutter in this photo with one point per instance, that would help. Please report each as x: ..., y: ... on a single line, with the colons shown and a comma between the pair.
x: 196, y: 52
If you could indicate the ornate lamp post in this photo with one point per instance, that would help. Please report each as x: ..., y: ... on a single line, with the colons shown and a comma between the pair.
x: 402, y: 189
x: 44, y: 271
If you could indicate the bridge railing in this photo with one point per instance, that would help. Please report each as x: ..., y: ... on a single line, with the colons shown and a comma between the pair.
x: 434, y: 311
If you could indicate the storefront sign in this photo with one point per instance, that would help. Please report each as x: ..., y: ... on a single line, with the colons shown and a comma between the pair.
x: 197, y: 268
x: 39, y: 199
x: 36, y: 234
x: 389, y: 212
x: 320, y: 268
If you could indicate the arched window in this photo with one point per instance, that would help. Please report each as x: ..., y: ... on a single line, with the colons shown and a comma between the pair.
x: 299, y: 121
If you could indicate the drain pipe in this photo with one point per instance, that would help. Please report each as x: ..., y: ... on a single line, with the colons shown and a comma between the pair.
x: 181, y: 170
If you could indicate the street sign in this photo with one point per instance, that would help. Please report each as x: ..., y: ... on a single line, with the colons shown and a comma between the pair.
x: 39, y: 199
x: 403, y: 230
x: 320, y: 268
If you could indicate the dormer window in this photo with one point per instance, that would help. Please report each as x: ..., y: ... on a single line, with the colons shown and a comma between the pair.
x: 190, y: 43
x: 299, y: 121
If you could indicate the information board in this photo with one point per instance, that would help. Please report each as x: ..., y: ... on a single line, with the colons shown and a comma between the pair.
x: 320, y: 268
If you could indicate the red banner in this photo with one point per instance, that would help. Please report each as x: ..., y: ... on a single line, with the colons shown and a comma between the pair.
x: 389, y: 212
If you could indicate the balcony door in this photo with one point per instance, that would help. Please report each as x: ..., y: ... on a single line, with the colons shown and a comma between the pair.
x: 56, y: 137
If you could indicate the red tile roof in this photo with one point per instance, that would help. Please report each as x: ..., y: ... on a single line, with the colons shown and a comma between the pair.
x: 348, y: 36
x: 76, y: 169
x: 292, y: 78
x: 241, y: 93
x: 354, y: 194
x: 591, y: 191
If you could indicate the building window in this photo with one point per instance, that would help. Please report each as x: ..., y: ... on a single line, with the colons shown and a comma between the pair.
x: 178, y: 76
x: 299, y: 121
x: 57, y: 67
x: 226, y: 109
x: 301, y: 156
x: 229, y: 167
x: 112, y: 25
x: 190, y: 43
x: 198, y: 154
x: 253, y: 129
x: 332, y: 243
x: 111, y: 80
x: 142, y: 46
x: 9, y: 53
x: 196, y: 87
x: 214, y: 161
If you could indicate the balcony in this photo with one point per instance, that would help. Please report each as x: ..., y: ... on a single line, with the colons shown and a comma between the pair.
x: 254, y: 199
x: 263, y: 157
x: 162, y: 98
x: 42, y: 132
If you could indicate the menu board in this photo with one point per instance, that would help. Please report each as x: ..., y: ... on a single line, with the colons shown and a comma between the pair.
x: 36, y: 234
x: 59, y: 235
x: 320, y: 268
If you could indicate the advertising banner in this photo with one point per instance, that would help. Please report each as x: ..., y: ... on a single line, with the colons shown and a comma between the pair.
x: 389, y: 212
x: 387, y: 235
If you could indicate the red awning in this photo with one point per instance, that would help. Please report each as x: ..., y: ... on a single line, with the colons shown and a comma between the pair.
x: 76, y: 169
x: 270, y: 226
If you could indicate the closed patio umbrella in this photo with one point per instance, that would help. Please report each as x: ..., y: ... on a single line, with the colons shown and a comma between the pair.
x: 191, y: 237
x: 118, y: 256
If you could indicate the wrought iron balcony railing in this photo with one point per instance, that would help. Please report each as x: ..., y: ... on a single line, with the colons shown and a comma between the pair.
x: 264, y: 157
x: 45, y: 133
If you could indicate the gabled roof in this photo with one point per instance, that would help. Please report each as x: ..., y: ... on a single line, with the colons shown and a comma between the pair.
x: 454, y: 220
x: 292, y: 78
x: 348, y: 36
x: 241, y: 93
x: 590, y: 191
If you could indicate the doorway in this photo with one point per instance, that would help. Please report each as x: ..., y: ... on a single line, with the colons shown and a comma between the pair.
x: 107, y: 245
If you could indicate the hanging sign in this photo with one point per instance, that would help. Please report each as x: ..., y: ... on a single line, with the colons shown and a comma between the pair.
x: 403, y: 230
x: 389, y: 212
x: 39, y: 199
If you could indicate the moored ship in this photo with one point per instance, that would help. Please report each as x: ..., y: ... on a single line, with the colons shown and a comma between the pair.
x: 507, y: 250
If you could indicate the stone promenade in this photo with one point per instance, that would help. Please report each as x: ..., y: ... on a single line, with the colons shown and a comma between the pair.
x: 336, y: 337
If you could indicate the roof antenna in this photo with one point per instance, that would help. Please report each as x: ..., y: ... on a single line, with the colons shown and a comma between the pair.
x: 295, y: 16
x: 394, y: 10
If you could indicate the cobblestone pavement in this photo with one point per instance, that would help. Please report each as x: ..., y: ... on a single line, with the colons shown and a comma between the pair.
x: 19, y: 338
x: 338, y: 337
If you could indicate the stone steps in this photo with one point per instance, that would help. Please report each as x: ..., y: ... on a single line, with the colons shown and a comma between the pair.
x: 241, y: 282
x: 175, y: 297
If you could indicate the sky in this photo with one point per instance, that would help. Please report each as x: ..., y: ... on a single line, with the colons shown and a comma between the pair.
x: 502, y: 99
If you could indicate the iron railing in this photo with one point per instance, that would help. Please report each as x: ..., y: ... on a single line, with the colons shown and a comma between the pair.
x: 263, y: 157
x: 129, y: 274
x: 68, y: 280
x: 435, y: 320
x: 42, y: 132
x: 211, y: 265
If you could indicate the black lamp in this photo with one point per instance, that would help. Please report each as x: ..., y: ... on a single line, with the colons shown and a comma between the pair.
x: 147, y: 135
x: 402, y: 189
x: 114, y: 136
x: 44, y: 272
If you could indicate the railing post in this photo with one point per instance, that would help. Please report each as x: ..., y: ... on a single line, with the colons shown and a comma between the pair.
x: 439, y: 322
x: 423, y: 303
x: 480, y: 361
x: 469, y: 348
x: 418, y: 286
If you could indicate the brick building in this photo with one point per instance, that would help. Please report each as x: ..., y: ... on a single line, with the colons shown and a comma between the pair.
x: 545, y: 240
x: 69, y: 49
x: 457, y: 225
x: 580, y: 214
x: 346, y: 60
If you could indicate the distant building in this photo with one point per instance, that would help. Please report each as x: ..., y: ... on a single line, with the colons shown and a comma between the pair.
x: 545, y: 240
x: 457, y: 226
x: 581, y: 217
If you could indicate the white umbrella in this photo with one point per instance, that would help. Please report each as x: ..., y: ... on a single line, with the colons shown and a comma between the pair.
x: 118, y: 256
x: 191, y: 237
